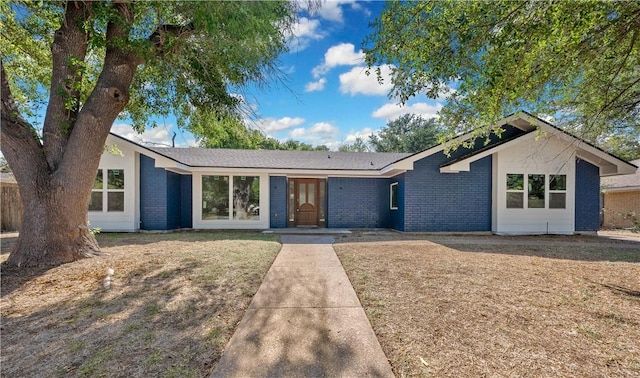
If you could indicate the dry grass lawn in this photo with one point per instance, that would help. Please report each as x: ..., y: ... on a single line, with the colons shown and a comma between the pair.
x: 174, y: 302
x: 500, y: 306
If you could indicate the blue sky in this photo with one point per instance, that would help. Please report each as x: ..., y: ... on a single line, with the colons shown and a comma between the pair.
x: 328, y: 98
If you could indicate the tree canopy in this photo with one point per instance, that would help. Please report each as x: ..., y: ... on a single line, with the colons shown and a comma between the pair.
x: 189, y: 54
x: 232, y: 132
x: 575, y: 61
x: 91, y: 62
x: 407, y: 133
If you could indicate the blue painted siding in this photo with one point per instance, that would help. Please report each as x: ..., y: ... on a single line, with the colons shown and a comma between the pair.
x: 454, y: 202
x: 278, y: 201
x: 186, y: 193
x: 153, y: 195
x: 396, y: 217
x: 174, y: 201
x: 587, y: 197
x: 357, y: 203
x: 163, y: 206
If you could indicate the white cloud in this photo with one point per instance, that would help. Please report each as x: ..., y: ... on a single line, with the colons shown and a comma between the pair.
x: 159, y: 136
x: 315, y: 85
x: 269, y: 125
x: 363, y: 134
x: 323, y: 128
x: 393, y: 111
x: 357, y: 81
x: 304, y: 32
x: 298, y: 133
x: 318, y: 134
x: 344, y: 54
x: 331, y: 10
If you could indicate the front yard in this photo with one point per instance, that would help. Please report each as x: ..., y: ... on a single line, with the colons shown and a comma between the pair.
x: 500, y: 306
x: 173, y: 303
x: 440, y: 305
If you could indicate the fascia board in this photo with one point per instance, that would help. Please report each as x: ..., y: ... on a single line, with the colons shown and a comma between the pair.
x: 465, y: 164
x: 622, y: 189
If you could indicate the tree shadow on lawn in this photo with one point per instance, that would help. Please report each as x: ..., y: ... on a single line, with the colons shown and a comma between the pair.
x: 12, y: 277
x: 575, y: 247
x: 115, y: 239
x: 153, y: 321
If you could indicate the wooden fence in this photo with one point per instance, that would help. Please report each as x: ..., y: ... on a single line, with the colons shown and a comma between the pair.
x: 11, y: 207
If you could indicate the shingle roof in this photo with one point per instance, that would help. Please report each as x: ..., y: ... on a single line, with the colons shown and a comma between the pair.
x: 631, y: 181
x: 331, y: 160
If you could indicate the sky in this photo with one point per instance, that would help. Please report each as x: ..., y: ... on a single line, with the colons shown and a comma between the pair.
x: 328, y: 98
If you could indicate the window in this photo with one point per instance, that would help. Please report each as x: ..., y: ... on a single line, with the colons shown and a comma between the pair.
x: 515, y: 191
x: 558, y: 192
x: 246, y: 197
x: 292, y: 201
x: 393, y: 196
x: 215, y: 197
x: 230, y: 197
x: 536, y: 191
x: 113, y: 193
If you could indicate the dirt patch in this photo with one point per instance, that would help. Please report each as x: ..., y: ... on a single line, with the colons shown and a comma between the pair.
x: 172, y: 304
x: 500, y: 306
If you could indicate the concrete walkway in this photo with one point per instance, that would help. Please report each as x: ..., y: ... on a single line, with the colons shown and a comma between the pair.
x: 304, y: 321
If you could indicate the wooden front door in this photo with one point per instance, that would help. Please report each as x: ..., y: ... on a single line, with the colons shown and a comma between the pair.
x: 306, y: 199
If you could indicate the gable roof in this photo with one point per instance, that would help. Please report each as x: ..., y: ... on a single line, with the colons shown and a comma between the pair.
x: 184, y: 160
x: 279, y: 159
x: 608, y: 163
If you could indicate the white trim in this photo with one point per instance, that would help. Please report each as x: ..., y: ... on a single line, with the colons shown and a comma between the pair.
x: 552, y: 158
x: 127, y: 220
x: 609, y: 165
x: 391, y: 195
x: 199, y: 223
x: 622, y: 189
x: 464, y: 165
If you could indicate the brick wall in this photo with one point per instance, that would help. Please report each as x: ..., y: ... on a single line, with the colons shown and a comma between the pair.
x: 619, y: 209
x: 174, y: 201
x: 278, y: 201
x: 447, y: 202
x: 153, y: 195
x: 165, y: 198
x: 357, y: 202
x: 587, y: 196
x: 396, y: 217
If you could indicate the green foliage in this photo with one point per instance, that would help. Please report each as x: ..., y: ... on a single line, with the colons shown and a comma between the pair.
x: 578, y: 61
x: 359, y: 145
x: 229, y: 131
x: 625, y: 146
x: 407, y: 133
x: 193, y: 54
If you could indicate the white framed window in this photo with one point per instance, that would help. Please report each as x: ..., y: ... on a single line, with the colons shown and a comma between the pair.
x: 393, y: 196
x: 108, y: 191
x: 230, y: 197
x: 536, y: 189
x: 515, y: 191
x: 557, y: 191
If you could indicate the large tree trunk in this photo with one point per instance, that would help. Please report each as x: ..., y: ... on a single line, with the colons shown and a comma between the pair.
x: 55, y: 174
x: 54, y: 229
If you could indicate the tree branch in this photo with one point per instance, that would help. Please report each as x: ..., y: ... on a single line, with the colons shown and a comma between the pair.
x: 68, y: 50
x: 108, y: 98
x: 18, y: 139
x: 159, y: 37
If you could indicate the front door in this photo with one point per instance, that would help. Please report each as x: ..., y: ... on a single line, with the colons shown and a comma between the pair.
x: 306, y: 199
